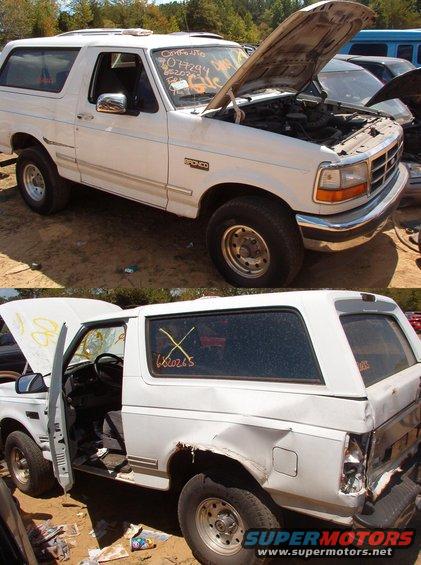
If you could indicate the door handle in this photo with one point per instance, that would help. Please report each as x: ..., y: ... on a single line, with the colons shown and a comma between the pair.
x: 85, y: 117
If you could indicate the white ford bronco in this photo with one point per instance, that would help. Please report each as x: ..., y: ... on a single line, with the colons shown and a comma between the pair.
x: 245, y: 406
x: 191, y: 125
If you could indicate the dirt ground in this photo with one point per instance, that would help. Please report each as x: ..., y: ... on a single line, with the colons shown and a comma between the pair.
x: 91, y: 243
x: 97, y: 498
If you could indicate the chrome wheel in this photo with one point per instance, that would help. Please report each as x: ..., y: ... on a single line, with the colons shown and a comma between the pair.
x: 19, y: 465
x: 246, y: 251
x: 220, y: 526
x: 33, y: 182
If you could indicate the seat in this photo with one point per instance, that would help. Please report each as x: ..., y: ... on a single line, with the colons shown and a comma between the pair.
x: 8, y: 376
x: 112, y: 432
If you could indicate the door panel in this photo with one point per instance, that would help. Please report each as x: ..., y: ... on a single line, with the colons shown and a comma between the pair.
x: 123, y: 154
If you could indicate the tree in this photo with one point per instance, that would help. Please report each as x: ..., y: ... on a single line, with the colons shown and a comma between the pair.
x: 16, y: 20
x: 82, y: 16
x: 45, y: 18
x: 204, y: 15
x: 397, y: 14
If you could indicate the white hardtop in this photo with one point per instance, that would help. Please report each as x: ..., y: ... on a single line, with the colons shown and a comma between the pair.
x: 120, y: 41
x: 288, y: 299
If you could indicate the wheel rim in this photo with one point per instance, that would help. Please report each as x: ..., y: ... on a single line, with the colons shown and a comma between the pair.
x: 245, y: 251
x: 33, y: 182
x: 220, y: 526
x: 19, y: 465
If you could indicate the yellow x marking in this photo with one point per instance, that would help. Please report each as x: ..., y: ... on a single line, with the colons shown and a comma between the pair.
x: 177, y: 345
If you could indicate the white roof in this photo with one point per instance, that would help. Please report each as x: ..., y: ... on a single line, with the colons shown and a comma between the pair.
x: 292, y: 299
x: 112, y: 40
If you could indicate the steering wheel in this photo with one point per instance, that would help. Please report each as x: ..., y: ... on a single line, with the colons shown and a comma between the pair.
x: 109, y: 373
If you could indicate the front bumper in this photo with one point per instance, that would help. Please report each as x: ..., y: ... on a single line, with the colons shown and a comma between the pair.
x: 355, y: 227
x: 395, y: 508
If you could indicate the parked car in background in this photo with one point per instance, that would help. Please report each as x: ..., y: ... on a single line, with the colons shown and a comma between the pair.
x: 401, y: 43
x: 12, y: 360
x: 415, y: 320
x: 345, y: 82
x: 384, y: 68
x: 15, y: 548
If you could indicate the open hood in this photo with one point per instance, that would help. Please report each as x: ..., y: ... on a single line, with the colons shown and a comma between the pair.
x: 406, y: 87
x: 297, y: 50
x: 35, y: 324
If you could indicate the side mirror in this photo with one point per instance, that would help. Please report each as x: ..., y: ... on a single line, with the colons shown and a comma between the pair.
x: 31, y: 383
x: 112, y: 104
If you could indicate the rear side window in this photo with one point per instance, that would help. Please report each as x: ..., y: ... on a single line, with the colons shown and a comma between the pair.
x: 123, y: 73
x: 405, y: 52
x: 379, y: 346
x: 374, y: 49
x: 38, y: 69
x: 253, y: 345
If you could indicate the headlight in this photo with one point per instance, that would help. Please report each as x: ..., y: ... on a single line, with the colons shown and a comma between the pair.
x: 339, y: 184
x: 354, y: 464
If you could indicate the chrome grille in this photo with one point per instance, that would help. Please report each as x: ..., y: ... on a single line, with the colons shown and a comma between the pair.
x: 385, y: 165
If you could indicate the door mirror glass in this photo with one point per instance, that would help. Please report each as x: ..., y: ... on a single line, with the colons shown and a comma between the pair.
x: 112, y: 104
x: 30, y: 384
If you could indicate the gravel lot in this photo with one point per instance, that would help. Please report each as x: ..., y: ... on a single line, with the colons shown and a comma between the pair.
x: 98, y: 235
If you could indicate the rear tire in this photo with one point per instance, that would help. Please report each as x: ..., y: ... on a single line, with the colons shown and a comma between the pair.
x: 30, y: 472
x: 39, y: 183
x: 255, y: 242
x: 214, y: 513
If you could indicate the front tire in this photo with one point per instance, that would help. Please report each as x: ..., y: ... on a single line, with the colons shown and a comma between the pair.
x: 30, y: 472
x: 214, y: 514
x: 255, y: 242
x: 39, y: 183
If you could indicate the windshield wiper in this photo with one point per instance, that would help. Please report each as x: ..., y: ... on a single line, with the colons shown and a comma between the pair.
x: 194, y: 96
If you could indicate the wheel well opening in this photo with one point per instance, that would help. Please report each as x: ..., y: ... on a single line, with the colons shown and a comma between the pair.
x: 9, y: 425
x: 222, y: 193
x: 23, y: 141
x: 187, y: 462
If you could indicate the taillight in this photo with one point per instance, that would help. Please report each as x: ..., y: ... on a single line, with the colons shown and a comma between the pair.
x: 354, y: 464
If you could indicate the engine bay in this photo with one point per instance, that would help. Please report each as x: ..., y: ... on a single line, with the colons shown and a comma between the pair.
x: 310, y: 120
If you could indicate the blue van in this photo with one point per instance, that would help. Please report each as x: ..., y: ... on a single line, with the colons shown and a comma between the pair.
x: 404, y: 44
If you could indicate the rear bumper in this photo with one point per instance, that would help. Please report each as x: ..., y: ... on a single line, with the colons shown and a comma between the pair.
x: 395, y: 508
x: 351, y: 229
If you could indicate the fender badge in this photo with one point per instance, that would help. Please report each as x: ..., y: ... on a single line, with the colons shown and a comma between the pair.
x: 195, y: 164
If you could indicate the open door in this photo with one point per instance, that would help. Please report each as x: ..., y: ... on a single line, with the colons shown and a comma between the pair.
x: 57, y: 430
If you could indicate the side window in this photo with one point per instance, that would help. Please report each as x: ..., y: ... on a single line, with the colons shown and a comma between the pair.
x: 419, y: 55
x: 250, y: 345
x: 38, y: 69
x: 375, y: 49
x: 405, y: 52
x: 378, y: 70
x: 123, y: 73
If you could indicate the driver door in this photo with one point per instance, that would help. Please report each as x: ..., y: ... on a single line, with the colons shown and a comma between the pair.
x: 57, y: 431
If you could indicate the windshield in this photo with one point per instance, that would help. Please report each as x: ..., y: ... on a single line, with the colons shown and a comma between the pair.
x: 193, y: 75
x: 358, y: 87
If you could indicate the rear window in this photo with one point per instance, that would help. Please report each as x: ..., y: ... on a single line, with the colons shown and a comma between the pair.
x: 379, y: 346
x: 373, y: 49
x: 38, y: 69
x: 254, y: 345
